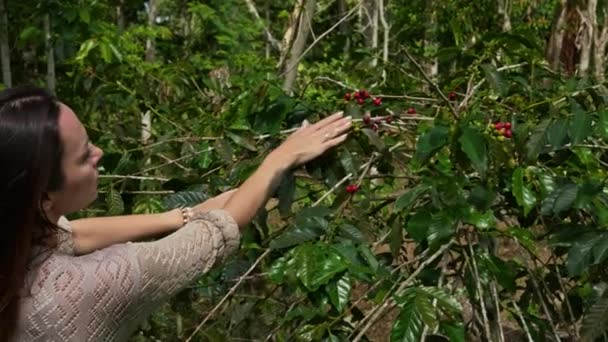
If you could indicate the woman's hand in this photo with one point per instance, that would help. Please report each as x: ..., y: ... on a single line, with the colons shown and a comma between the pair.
x: 310, y: 141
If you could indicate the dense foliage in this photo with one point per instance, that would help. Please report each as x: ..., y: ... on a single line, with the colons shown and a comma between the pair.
x: 470, y: 204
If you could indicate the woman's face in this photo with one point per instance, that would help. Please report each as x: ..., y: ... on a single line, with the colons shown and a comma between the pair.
x: 79, y: 166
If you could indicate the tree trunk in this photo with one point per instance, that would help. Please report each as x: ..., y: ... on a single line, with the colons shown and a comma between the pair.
x: 150, y: 44
x: 431, y: 65
x: 50, y: 54
x: 385, y: 29
x: 4, y: 48
x: 504, y: 10
x: 554, y: 47
x: 586, y: 39
x: 267, y: 34
x: 290, y: 32
x: 120, y: 16
x: 305, y: 23
x: 146, y: 118
x: 344, y: 27
x: 373, y: 24
x: 600, y: 40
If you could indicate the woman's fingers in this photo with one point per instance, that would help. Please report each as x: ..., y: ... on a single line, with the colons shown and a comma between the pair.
x: 334, y: 142
x: 328, y: 120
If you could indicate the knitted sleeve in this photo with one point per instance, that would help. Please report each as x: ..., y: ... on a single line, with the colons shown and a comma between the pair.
x: 104, y: 296
x: 168, y: 265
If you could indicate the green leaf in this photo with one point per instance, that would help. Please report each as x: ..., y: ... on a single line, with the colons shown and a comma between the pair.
x: 285, y: 193
x: 407, y: 200
x: 454, y: 332
x: 600, y: 249
x: 537, y: 140
x: 317, y: 264
x: 557, y: 133
x: 445, y: 302
x: 494, y: 79
x: 580, y: 127
x: 115, y: 203
x: 295, y: 236
x: 579, y: 255
x: 242, y: 141
x: 546, y: 181
x: 482, y: 220
x: 560, y: 199
x: 418, y: 225
x: 524, y: 196
x: 408, y: 326
x: 474, y: 145
x: 339, y: 291
x: 184, y: 199
x: 85, y: 49
x: 595, y: 322
x: 106, y: 52
x: 603, y: 123
x: 424, y: 305
x: 277, y: 270
x: 374, y: 139
x: 396, y: 237
x: 430, y: 142
x: 441, y: 228
x: 352, y: 233
x: 85, y: 15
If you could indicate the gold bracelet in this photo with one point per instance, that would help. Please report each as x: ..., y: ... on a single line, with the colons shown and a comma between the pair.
x: 186, y: 214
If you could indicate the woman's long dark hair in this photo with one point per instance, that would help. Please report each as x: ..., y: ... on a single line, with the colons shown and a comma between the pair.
x: 30, y: 167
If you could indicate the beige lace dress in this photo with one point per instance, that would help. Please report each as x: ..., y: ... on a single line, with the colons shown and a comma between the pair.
x: 105, y: 295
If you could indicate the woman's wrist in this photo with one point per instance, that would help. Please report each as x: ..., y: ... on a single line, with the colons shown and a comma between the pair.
x: 279, y: 161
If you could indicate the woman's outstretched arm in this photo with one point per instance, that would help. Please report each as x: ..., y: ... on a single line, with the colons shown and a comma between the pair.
x: 95, y: 233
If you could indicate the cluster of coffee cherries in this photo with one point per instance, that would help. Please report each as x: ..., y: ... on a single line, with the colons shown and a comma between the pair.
x: 373, y: 123
x: 362, y: 95
x: 352, y: 188
x: 503, y: 129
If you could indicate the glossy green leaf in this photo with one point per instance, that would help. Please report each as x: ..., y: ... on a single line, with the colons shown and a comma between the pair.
x: 396, y: 236
x: 454, y: 331
x: 184, y: 199
x: 115, y: 204
x: 473, y: 144
x: 595, y: 322
x: 242, y: 141
x: 580, y: 127
x: 339, y: 291
x: 430, y: 142
x: 524, y: 196
x: 580, y: 256
x: 351, y: 232
x: 285, y: 193
x: 600, y: 249
x: 316, y: 265
x: 557, y: 133
x: 559, y: 200
x: 537, y: 140
x: 603, y: 123
x: 494, y: 79
x: 277, y: 270
x: 408, y: 326
x: 408, y: 199
x: 296, y: 235
x: 418, y: 225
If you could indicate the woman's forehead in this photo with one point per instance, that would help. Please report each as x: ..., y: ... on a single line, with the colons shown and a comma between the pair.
x: 71, y: 130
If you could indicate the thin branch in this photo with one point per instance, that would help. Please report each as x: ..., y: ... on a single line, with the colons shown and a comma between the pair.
x: 232, y: 290
x: 523, y: 321
x: 336, y: 186
x: 484, y: 312
x: 297, y: 61
x: 433, y: 84
x: 159, y: 179
x: 388, y: 303
x: 269, y: 37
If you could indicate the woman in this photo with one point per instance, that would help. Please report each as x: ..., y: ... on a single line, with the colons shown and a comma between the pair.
x: 83, y: 280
